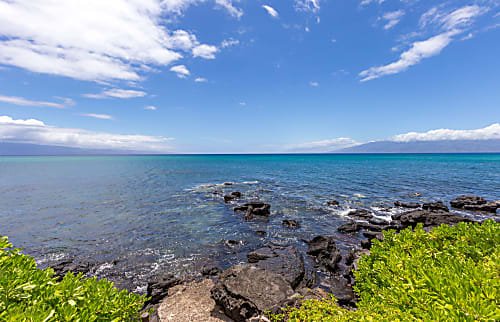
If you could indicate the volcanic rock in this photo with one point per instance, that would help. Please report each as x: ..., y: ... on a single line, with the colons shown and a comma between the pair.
x: 474, y: 203
x: 406, y: 205
x: 326, y: 252
x: 290, y: 223
x: 435, y: 206
x: 350, y: 227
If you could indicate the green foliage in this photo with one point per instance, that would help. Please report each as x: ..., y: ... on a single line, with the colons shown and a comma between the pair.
x: 31, y: 294
x: 449, y: 274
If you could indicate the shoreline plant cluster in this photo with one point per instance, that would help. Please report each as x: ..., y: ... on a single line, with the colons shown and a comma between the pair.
x: 451, y: 273
x: 31, y: 294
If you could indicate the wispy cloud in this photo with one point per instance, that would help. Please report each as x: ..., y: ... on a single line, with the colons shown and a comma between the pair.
x: 37, y: 132
x: 26, y: 102
x: 98, y: 116
x: 307, y: 5
x: 229, y: 43
x: 314, y: 84
x: 181, y: 71
x: 117, y: 93
x: 151, y: 108
x: 201, y: 80
x: 392, y: 18
x: 451, y: 24
x: 271, y: 11
x: 229, y: 7
x: 329, y: 145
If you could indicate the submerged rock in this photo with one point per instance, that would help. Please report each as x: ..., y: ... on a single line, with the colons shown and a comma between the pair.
x: 474, y: 203
x: 257, y: 210
x: 234, y: 195
x: 290, y: 223
x: 360, y: 214
x: 350, y: 227
x: 435, y: 206
x: 211, y: 270
x: 406, y: 205
x: 332, y: 203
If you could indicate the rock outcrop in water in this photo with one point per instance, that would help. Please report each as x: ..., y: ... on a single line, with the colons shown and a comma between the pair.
x: 474, y: 203
x: 254, y: 210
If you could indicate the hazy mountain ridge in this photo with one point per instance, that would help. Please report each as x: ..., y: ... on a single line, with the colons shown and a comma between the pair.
x: 444, y: 146
x: 25, y: 149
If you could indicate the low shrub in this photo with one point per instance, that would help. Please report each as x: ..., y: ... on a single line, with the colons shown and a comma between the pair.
x: 31, y: 294
x: 448, y: 274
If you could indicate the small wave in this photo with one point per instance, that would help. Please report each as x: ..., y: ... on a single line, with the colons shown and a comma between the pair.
x: 103, y: 267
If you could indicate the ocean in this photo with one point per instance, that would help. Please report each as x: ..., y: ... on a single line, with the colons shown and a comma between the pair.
x: 135, y: 217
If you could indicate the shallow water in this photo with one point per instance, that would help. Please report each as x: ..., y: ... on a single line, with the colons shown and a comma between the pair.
x: 140, y: 215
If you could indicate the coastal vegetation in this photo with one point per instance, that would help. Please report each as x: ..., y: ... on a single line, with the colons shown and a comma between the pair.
x: 451, y: 273
x: 31, y: 294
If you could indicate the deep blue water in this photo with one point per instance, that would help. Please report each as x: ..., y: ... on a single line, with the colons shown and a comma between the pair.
x: 157, y: 213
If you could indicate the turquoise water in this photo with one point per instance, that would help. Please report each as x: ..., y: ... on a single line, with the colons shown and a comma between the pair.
x: 139, y: 215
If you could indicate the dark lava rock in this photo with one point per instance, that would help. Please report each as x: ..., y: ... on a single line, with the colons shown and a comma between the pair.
x: 340, y: 287
x: 304, y: 294
x: 240, y: 208
x: 290, y: 223
x: 377, y: 221
x: 366, y: 244
x: 428, y: 218
x: 332, y: 203
x: 158, y: 288
x: 232, y: 243
x: 326, y: 252
x: 350, y: 227
x: 244, y: 291
x: 236, y: 194
x: 371, y: 227
x: 257, y: 209
x: 360, y: 214
x: 285, y: 261
x: 217, y: 192
x: 260, y: 232
x: 64, y: 267
x: 406, y: 205
x: 260, y: 254
x: 211, y: 270
x: 374, y: 235
x: 474, y: 203
x: 435, y: 206
x: 228, y: 183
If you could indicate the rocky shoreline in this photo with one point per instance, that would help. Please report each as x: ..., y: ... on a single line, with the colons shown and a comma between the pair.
x: 279, y: 275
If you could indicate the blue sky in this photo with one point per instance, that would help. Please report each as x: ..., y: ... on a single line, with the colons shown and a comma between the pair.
x: 222, y: 76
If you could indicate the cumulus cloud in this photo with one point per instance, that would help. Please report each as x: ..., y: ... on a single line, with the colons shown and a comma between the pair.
x: 26, y: 102
x: 271, y: 11
x: 98, y: 116
x: 487, y: 133
x: 151, y: 108
x: 37, y: 132
x: 322, y: 146
x: 307, y: 5
x: 181, y: 71
x: 201, y: 80
x: 205, y: 51
x: 392, y: 18
x: 91, y: 40
x: 117, y: 93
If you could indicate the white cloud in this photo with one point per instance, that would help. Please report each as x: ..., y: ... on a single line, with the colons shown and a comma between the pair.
x: 181, y: 71
x: 201, y: 80
x: 117, y: 93
x: 462, y: 17
x: 151, y: 108
x: 487, y: 133
x: 315, y: 84
x: 36, y: 132
x: 228, y: 6
x: 93, y: 39
x: 307, y: 5
x: 243, y: 103
x: 25, y: 102
x: 229, y: 43
x: 367, y: 2
x: 322, y: 146
x: 205, y: 51
x: 392, y: 18
x: 418, y: 51
x: 271, y: 11
x: 98, y: 116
